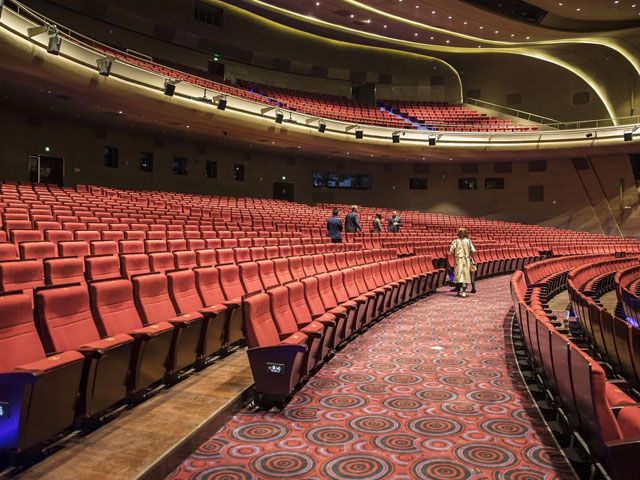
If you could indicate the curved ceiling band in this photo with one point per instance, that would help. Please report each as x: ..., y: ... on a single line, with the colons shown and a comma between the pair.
x: 515, y: 48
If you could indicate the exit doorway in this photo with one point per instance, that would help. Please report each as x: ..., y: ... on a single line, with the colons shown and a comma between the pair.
x: 46, y: 169
x: 283, y: 191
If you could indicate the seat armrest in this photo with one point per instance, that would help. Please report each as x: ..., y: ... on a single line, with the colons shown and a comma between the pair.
x: 18, y: 376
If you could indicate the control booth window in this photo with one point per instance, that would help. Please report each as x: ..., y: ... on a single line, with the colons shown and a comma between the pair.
x: 111, y: 157
x: 467, y: 184
x: 208, y: 14
x: 146, y: 162
x: 417, y: 184
x: 211, y: 169
x: 180, y: 166
x: 340, y: 180
x: 494, y: 183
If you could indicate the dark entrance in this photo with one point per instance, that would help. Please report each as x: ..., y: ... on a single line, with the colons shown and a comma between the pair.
x: 45, y: 169
x: 283, y: 191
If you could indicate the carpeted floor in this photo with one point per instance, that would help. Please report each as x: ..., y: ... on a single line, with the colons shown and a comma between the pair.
x: 431, y: 392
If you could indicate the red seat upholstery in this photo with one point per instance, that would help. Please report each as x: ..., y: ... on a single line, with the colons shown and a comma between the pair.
x: 131, y: 246
x: 103, y: 247
x: 208, y: 285
x: 19, y: 236
x: 37, y: 250
x: 257, y: 253
x: 242, y: 254
x: 57, y: 236
x: 185, y: 298
x: 185, y: 259
x: 77, y: 248
x: 102, y: 267
x: 195, y: 244
x: 115, y: 313
x: 112, y: 235
x: 8, y: 251
x: 160, y: 262
x: 151, y: 295
x: 134, y: 264
x: 33, y: 386
x: 250, y: 277
x: 151, y: 246
x: 318, y: 310
x: 176, y: 244
x: 267, y: 274
x: 276, y: 364
x: 66, y: 323
x: 206, y: 257
x: 225, y: 256
x: 87, y: 235
x: 21, y: 275
x: 64, y: 270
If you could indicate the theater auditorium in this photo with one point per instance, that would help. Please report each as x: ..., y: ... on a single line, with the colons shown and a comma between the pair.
x: 232, y: 239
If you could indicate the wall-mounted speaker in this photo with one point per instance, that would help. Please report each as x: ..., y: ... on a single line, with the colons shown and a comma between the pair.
x: 169, y: 88
x: 279, y: 117
x: 53, y: 47
x: 359, y: 134
x: 395, y: 138
x: 222, y: 104
x: 432, y: 141
x: 628, y: 136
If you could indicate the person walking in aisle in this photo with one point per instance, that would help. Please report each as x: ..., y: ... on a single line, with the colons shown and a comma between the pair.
x: 394, y: 223
x: 334, y: 227
x: 462, y: 250
x: 377, y: 223
x: 473, y: 273
x: 351, y: 222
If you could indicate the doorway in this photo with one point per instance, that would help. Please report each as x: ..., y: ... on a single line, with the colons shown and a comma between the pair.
x: 45, y: 169
x: 283, y: 191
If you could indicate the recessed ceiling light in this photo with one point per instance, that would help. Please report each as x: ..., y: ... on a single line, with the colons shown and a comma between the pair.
x: 431, y: 38
x: 513, y: 34
x: 479, y: 46
x: 317, y: 4
x: 415, y: 34
x: 447, y: 41
x: 433, y: 11
x: 528, y: 38
x: 417, y: 6
x: 352, y: 15
x: 617, y: 1
x: 496, y: 31
x: 465, y: 22
x: 561, y: 4
x: 481, y: 28
x: 577, y: 9
x: 384, y: 26
x: 449, y: 17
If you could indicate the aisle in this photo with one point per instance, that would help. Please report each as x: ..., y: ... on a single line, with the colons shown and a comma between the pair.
x: 429, y: 393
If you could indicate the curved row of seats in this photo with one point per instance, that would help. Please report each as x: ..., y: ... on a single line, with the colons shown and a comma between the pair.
x: 594, y: 410
x: 289, y: 338
x: 115, y: 337
x: 627, y: 283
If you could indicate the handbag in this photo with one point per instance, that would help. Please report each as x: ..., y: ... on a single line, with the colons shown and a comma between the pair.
x: 472, y: 268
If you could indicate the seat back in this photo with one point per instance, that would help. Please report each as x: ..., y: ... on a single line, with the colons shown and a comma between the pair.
x: 281, y: 267
x: 183, y: 291
x: 60, y: 271
x: 225, y: 256
x: 185, y: 259
x: 318, y: 263
x: 38, y: 250
x: 250, y: 277
x: 230, y: 283
x: 299, y: 303
x: 281, y: 311
x: 64, y: 317
x: 326, y: 292
x: 242, y: 254
x: 308, y: 265
x: 560, y: 346
x: 160, y: 262
x: 176, y: 244
x: 151, y: 297
x: 267, y: 273
x: 86, y: 235
x: 104, y: 247
x: 76, y: 248
x: 113, y: 307
x: 205, y: 257
x: 21, y: 274
x: 259, y: 325
x: 134, y: 264
x: 349, y: 279
x: 358, y: 273
x: 208, y: 285
x: 312, y: 296
x: 257, y: 253
x: 337, y: 284
x: 151, y: 246
x: 19, y: 340
x: 341, y: 260
x: 351, y: 259
x: 102, y: 267
x: 271, y: 252
x: 131, y: 246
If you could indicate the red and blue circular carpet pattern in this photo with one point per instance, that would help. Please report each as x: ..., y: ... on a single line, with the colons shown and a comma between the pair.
x: 431, y: 392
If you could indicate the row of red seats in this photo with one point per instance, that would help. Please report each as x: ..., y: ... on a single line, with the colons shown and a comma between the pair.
x: 598, y: 412
x: 626, y: 282
x: 23, y: 274
x: 288, y: 339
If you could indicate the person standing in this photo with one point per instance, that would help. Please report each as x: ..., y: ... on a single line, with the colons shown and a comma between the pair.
x: 334, y: 227
x: 394, y: 223
x: 377, y: 223
x: 351, y: 222
x: 462, y: 250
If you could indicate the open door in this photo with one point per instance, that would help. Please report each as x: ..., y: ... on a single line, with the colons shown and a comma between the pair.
x: 45, y: 169
x: 283, y: 191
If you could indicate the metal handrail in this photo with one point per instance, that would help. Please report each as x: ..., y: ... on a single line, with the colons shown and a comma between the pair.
x: 514, y: 112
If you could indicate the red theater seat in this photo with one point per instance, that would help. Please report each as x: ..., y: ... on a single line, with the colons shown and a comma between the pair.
x: 134, y: 264
x: 185, y: 298
x: 8, y: 251
x: 34, y: 387
x: 66, y: 323
x: 276, y: 364
x: 151, y: 296
x: 59, y: 271
x: 103, y: 247
x: 37, y: 250
x: 160, y: 262
x: 73, y: 249
x: 21, y: 275
x: 102, y: 267
x: 185, y: 259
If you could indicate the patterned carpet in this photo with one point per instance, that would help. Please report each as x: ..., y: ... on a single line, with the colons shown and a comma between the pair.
x: 429, y: 393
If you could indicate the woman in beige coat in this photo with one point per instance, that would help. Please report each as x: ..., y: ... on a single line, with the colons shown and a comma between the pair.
x: 462, y: 250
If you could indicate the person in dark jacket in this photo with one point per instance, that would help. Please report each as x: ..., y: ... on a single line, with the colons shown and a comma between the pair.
x: 394, y: 223
x: 351, y: 222
x: 377, y: 223
x: 334, y: 227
